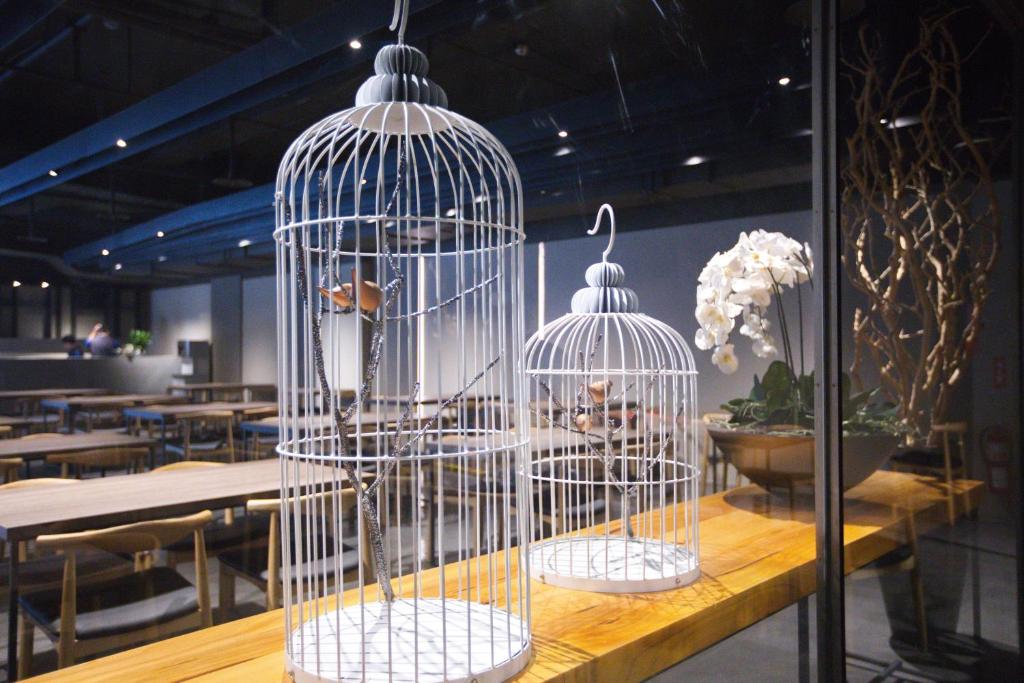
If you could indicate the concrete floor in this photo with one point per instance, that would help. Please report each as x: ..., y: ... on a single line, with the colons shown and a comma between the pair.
x: 768, y: 651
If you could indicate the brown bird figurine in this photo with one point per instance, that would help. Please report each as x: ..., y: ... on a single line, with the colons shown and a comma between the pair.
x: 599, y: 391
x: 584, y: 422
x: 370, y: 295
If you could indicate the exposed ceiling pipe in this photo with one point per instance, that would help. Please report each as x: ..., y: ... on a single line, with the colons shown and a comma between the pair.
x: 71, y: 273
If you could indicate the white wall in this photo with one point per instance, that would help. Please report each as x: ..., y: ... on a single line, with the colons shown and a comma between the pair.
x: 259, y: 325
x: 180, y: 313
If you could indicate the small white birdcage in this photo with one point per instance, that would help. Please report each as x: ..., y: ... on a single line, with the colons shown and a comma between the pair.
x: 400, y: 316
x: 613, y: 468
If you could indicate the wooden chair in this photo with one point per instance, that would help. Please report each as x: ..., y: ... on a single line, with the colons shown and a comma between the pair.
x: 6, y: 432
x: 256, y: 444
x: 9, y: 469
x: 131, y: 459
x: 152, y: 602
x: 21, y: 484
x: 206, y: 435
x: 942, y: 463
x: 261, y: 565
x: 711, y: 457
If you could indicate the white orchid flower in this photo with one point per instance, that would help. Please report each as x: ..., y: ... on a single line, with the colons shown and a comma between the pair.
x: 725, y: 359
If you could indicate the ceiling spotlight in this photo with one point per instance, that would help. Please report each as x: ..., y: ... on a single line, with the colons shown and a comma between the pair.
x: 159, y: 233
x: 121, y: 143
x: 694, y: 160
x: 784, y: 81
x: 104, y: 252
x: 244, y: 243
x: 450, y: 212
x: 117, y: 266
x: 161, y: 258
x: 521, y: 49
x: 16, y: 283
x: 362, y: 181
x: 355, y: 44
x: 44, y: 284
x: 884, y: 121
x: 563, y: 133
x: 53, y: 173
x: 563, y: 150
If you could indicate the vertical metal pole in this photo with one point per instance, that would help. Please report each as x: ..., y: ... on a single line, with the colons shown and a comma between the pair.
x: 828, y: 484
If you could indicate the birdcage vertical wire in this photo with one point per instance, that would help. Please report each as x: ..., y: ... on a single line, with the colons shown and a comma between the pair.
x: 613, y: 465
x: 400, y: 335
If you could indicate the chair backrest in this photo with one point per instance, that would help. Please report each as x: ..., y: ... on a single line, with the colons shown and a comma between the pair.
x: 9, y: 469
x: 37, y: 482
x: 130, y: 538
x: 188, y: 465
x: 105, y: 457
x: 42, y: 435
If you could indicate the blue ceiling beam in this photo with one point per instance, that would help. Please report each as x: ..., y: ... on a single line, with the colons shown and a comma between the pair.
x: 18, y: 17
x: 275, y: 67
x: 662, y: 111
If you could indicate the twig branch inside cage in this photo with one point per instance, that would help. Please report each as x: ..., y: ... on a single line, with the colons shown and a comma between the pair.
x: 367, y: 498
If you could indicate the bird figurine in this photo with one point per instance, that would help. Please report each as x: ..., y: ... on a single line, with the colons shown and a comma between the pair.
x: 599, y: 391
x: 584, y: 422
x: 370, y: 295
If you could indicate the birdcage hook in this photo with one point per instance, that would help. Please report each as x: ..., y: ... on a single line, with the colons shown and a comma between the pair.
x: 605, y: 208
x: 400, y: 19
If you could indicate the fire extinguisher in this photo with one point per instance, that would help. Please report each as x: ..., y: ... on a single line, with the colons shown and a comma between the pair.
x: 995, y: 450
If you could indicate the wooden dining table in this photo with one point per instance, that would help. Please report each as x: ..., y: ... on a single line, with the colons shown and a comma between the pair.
x: 39, y: 447
x: 166, y: 414
x: 70, y: 405
x: 103, y: 502
x: 757, y: 557
x: 205, y: 391
x: 29, y: 398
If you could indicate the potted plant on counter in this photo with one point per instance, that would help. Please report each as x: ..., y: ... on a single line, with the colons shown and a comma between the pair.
x: 138, y: 341
x: 769, y: 436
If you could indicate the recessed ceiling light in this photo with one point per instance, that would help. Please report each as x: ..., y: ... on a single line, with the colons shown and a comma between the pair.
x: 784, y: 80
x: 884, y: 121
x: 53, y: 173
x: 355, y: 44
x: 117, y: 266
x: 362, y: 181
x: 450, y: 212
x: 695, y: 160
x: 159, y: 233
x: 44, y: 284
x: 16, y: 283
x: 521, y: 49
x: 104, y: 252
x: 244, y: 243
x: 563, y: 133
x: 161, y: 258
x: 121, y: 143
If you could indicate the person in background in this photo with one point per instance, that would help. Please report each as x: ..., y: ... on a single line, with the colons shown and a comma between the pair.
x: 72, y: 346
x: 100, y: 342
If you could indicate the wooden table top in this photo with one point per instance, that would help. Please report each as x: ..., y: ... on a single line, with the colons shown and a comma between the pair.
x: 12, y: 394
x: 107, y: 501
x: 757, y: 557
x: 112, y: 401
x: 20, y: 420
x: 163, y: 412
x: 37, y: 448
x: 222, y: 386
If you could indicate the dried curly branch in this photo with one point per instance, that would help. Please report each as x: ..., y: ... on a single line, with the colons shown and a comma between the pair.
x: 920, y: 221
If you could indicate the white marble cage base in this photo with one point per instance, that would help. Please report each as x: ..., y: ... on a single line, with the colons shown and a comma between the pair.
x: 614, y: 565
x: 424, y: 641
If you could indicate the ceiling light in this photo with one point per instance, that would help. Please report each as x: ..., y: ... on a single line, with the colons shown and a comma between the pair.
x: 244, y: 243
x: 563, y: 150
x: 44, y: 284
x: 53, y: 173
x: 117, y: 266
x: 450, y: 212
x: 121, y: 143
x: 563, y: 133
x: 363, y: 181
x: 521, y: 49
x: 884, y: 121
x: 695, y: 160
x: 104, y: 252
x: 159, y: 233
x: 355, y: 44
x: 161, y: 258
x: 784, y: 80
x: 16, y: 283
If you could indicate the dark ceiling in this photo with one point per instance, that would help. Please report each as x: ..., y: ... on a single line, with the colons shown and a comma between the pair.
x: 645, y: 87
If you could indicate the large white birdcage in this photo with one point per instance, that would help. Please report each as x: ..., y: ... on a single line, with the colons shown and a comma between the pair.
x: 613, y: 469
x: 400, y: 316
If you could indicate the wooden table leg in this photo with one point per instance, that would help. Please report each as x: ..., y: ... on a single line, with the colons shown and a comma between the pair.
x: 12, y: 614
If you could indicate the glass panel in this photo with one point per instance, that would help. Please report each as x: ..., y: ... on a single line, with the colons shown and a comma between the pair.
x: 931, y: 314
